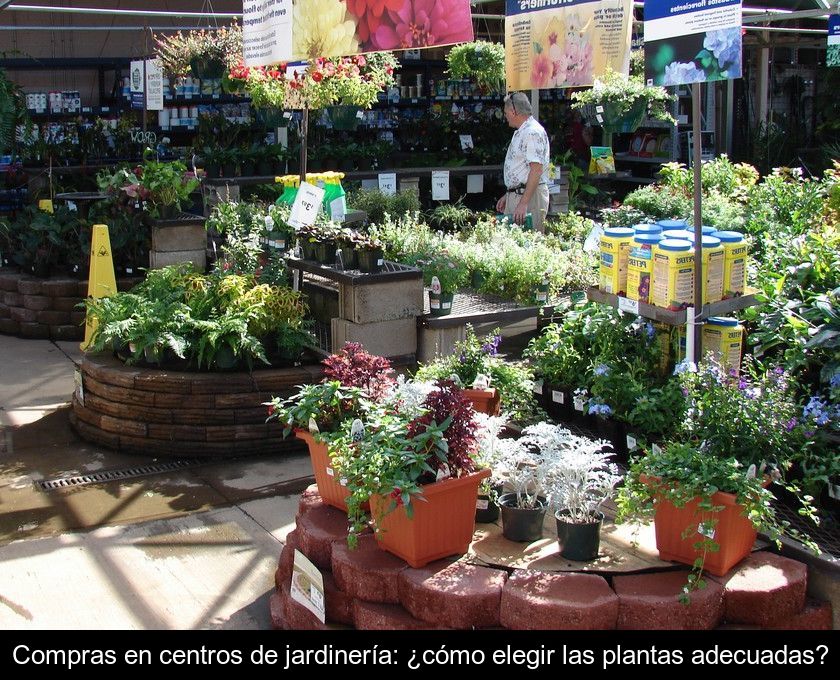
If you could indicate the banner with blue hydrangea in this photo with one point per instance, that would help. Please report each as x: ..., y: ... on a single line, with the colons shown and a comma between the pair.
x: 833, y: 55
x: 692, y: 41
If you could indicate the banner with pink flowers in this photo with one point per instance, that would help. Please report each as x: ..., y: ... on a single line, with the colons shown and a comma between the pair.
x: 565, y: 43
x: 288, y: 30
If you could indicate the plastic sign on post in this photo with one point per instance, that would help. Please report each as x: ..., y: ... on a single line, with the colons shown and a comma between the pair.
x: 306, y: 206
x: 832, y: 57
x: 692, y: 42
x: 266, y: 32
x: 388, y: 183
x: 440, y: 185
x: 475, y: 184
x: 466, y: 142
x: 154, y: 85
x: 136, y: 80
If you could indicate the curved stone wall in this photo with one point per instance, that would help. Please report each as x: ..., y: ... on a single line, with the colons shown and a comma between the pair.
x: 45, y: 308
x: 161, y: 412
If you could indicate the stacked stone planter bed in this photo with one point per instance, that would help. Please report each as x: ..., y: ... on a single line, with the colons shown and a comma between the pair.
x: 45, y: 308
x: 368, y: 588
x: 159, y: 412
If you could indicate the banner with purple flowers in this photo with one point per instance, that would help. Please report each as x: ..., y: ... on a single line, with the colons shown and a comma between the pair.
x: 833, y: 54
x: 692, y: 41
x: 287, y: 30
x: 565, y: 43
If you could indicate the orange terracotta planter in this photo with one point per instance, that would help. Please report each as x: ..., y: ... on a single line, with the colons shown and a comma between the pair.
x: 734, y: 533
x: 485, y: 401
x: 442, y: 525
x: 330, y: 489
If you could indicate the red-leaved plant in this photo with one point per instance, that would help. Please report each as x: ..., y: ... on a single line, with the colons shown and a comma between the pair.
x: 354, y: 367
x: 448, y: 402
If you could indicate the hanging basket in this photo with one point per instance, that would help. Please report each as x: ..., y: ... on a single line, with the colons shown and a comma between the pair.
x: 203, y: 67
x: 344, y: 117
x: 614, y: 121
x: 270, y: 117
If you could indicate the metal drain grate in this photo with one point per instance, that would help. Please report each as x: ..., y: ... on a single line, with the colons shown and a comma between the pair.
x: 118, y: 474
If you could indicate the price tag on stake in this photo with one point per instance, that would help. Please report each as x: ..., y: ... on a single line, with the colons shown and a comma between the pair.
x: 306, y: 205
x: 579, y: 404
x: 388, y: 183
x: 656, y: 449
x: 558, y: 397
x: 628, y: 305
x: 631, y: 443
x: 466, y: 142
x: 482, y: 504
x: 440, y: 185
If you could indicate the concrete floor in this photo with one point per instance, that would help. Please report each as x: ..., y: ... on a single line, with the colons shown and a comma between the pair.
x: 195, y: 548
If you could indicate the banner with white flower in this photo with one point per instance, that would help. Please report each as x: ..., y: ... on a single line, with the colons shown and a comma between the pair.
x: 833, y: 55
x: 692, y: 41
x: 565, y: 43
x: 288, y: 30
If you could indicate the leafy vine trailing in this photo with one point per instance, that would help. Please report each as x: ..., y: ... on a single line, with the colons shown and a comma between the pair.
x: 482, y: 61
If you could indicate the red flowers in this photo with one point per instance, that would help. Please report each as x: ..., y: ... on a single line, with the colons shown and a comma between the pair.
x: 270, y: 410
x: 396, y: 495
x: 317, y: 76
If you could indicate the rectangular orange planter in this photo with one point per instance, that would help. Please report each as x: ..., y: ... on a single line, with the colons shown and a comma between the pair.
x: 330, y: 489
x: 485, y: 401
x: 734, y: 533
x: 442, y: 525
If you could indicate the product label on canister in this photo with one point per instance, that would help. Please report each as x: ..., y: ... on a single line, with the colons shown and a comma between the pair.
x: 639, y: 270
x: 735, y: 271
x: 713, y: 266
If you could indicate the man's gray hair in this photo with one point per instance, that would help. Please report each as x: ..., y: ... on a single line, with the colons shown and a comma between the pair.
x: 519, y: 102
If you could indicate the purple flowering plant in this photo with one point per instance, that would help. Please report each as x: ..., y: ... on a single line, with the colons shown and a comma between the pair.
x: 480, y: 355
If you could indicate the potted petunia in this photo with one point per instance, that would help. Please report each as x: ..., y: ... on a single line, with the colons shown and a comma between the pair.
x: 205, y: 53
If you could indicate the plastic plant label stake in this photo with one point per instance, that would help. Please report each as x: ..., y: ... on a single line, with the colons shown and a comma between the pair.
x: 656, y: 449
x: 631, y: 442
x: 558, y: 397
x: 466, y: 142
x: 357, y: 430
x: 579, y: 404
x: 436, y: 285
x: 482, y: 504
x: 330, y: 472
x: 628, y: 305
x: 538, y: 387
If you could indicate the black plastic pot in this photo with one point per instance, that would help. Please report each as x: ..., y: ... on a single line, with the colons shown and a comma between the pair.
x: 349, y: 257
x: 578, y: 542
x: 325, y: 252
x: 225, y: 359
x: 370, y: 261
x: 308, y: 247
x: 614, y: 432
x: 557, y: 401
x: 440, y: 304
x: 486, y: 510
x: 522, y: 524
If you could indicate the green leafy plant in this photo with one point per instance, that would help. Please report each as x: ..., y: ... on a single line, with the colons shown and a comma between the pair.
x: 482, y: 61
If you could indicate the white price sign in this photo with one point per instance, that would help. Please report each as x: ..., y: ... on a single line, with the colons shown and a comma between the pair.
x: 628, y: 305
x: 440, y: 185
x: 154, y: 85
x: 475, y: 184
x: 388, y: 183
x: 558, y: 397
x: 306, y: 206
x: 466, y: 142
x: 267, y: 32
x: 538, y: 387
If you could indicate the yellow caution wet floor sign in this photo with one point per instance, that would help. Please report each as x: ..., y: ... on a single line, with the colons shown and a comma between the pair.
x: 101, y: 280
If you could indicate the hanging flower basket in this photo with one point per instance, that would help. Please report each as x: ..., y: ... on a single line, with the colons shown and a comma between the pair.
x: 270, y: 117
x: 344, y: 117
x: 203, y: 67
x: 612, y: 119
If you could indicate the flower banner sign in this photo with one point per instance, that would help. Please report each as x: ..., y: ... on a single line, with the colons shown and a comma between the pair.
x: 287, y: 30
x: 565, y: 43
x: 692, y: 41
x: 833, y: 54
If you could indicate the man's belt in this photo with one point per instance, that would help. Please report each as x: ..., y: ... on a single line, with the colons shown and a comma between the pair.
x: 517, y: 190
